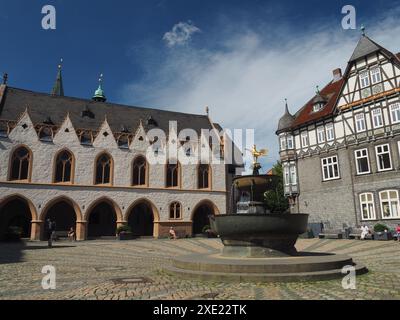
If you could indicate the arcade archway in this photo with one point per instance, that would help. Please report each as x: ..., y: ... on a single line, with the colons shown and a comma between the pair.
x: 201, y: 217
x: 63, y: 212
x: 15, y: 216
x: 141, y: 219
x: 102, y: 221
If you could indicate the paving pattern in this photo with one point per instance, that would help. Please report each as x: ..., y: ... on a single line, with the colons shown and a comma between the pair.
x: 112, y: 270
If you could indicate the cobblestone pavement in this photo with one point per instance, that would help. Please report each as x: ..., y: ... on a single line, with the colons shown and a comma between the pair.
x: 110, y: 270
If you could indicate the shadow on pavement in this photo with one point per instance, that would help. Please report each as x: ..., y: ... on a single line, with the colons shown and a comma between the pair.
x: 13, y: 252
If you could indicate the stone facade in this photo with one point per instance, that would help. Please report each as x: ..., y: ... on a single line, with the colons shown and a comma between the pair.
x: 41, y: 193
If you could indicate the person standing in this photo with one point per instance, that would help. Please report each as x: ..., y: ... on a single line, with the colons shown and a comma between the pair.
x: 364, y: 232
x: 397, y: 233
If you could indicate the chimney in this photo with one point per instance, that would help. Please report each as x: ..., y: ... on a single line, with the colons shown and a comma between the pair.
x: 337, y: 74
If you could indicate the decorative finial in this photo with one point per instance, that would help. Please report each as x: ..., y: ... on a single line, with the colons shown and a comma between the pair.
x: 100, y: 79
x: 5, y: 78
x: 363, y: 29
x: 60, y: 64
x: 207, y: 111
x: 318, y: 92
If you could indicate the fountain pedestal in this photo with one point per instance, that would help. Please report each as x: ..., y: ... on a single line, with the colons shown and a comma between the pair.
x: 260, y: 246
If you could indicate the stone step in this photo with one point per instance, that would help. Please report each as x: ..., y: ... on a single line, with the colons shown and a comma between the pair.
x: 262, y: 277
x: 308, y: 263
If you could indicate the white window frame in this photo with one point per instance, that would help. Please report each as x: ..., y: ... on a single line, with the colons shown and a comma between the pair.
x: 286, y: 174
x: 360, y: 118
x: 328, y: 165
x: 321, y: 130
x: 377, y: 118
x: 304, y: 139
x: 330, y: 132
x: 376, y: 75
x: 369, y: 205
x: 395, y: 112
x: 293, y: 174
x: 283, y: 143
x: 364, y: 79
x: 357, y: 157
x: 381, y: 153
x: 390, y: 201
x: 290, y: 145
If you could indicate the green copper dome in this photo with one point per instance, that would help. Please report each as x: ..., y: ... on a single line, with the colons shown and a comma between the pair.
x: 99, y: 93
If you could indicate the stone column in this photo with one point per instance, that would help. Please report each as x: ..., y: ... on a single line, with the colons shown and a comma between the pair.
x: 81, y: 230
x: 156, y: 232
x: 36, y: 230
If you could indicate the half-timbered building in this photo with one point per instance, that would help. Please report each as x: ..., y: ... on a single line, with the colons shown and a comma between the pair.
x: 341, y: 150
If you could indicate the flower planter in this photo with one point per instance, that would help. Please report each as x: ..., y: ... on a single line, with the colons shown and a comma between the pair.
x: 383, y: 236
x: 125, y: 236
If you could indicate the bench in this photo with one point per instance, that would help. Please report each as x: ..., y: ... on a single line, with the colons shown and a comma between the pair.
x: 331, y: 234
x: 356, y: 234
x: 61, y: 234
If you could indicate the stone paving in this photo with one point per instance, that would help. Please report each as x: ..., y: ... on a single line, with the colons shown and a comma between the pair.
x: 112, y: 270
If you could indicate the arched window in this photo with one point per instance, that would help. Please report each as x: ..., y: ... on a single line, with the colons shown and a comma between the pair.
x: 203, y: 176
x: 103, y: 169
x: 20, y: 164
x: 64, y: 167
x: 173, y: 172
x: 175, y: 212
x: 139, y: 171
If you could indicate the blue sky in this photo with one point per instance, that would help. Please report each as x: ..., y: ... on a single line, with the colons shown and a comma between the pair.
x: 242, y: 58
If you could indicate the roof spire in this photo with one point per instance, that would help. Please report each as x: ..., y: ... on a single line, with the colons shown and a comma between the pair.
x: 99, y: 93
x: 207, y: 110
x: 286, y: 106
x: 58, y: 89
x: 362, y: 30
x: 5, y: 78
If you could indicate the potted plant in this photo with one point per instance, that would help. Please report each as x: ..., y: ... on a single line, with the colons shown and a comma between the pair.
x: 13, y: 234
x: 382, y: 232
x: 124, y: 233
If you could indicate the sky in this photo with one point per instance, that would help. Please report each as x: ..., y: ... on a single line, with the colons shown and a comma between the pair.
x: 240, y: 58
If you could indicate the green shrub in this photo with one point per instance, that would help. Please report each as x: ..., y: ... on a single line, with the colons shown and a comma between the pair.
x: 380, y: 227
x: 124, y: 229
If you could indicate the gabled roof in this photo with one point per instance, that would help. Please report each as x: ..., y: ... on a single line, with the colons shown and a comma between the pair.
x: 365, y: 46
x: 332, y: 91
x: 88, y: 114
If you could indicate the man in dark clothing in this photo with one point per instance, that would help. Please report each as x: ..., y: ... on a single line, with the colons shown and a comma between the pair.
x: 50, y: 230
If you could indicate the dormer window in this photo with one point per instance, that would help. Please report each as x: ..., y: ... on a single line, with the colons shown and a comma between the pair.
x: 318, y: 102
x: 317, y: 107
x: 87, y: 113
x: 152, y: 122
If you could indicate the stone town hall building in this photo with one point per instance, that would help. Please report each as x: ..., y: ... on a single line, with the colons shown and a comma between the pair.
x: 341, y: 151
x: 84, y: 163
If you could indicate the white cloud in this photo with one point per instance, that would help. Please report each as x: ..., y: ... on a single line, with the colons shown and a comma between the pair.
x: 246, y: 80
x: 180, y: 34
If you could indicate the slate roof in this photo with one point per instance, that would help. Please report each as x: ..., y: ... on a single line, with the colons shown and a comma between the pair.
x: 43, y: 106
x: 286, y: 120
x: 330, y: 93
x: 365, y: 47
